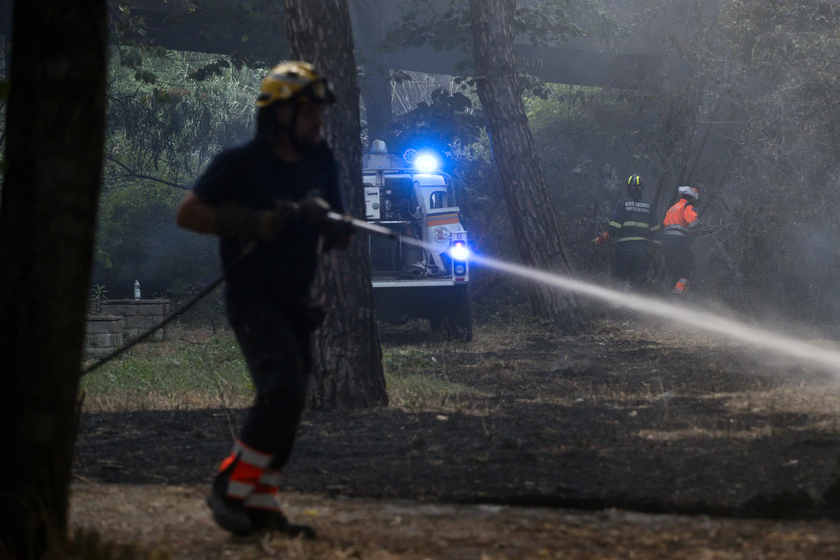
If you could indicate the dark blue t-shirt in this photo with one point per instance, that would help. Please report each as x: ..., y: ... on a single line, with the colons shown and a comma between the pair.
x: 252, y: 175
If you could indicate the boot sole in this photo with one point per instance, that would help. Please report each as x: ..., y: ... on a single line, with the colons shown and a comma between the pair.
x: 232, y: 521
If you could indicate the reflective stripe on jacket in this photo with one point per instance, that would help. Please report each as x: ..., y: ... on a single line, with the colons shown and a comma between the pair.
x: 681, y: 219
x: 633, y: 220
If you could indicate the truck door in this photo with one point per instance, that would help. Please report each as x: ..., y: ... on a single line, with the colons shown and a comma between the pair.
x: 442, y: 218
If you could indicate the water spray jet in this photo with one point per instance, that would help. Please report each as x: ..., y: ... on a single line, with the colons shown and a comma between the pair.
x: 690, y: 317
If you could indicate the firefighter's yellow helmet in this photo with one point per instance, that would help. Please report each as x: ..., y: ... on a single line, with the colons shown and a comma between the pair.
x: 294, y: 81
x: 635, y: 185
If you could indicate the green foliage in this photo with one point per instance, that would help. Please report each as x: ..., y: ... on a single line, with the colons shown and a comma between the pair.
x: 546, y: 22
x: 590, y: 140
x: 417, y: 381
x: 765, y: 34
x: 445, y: 25
x: 441, y: 26
x: 160, y: 137
x: 774, y: 67
x: 137, y: 226
x: 207, y: 312
x: 411, y: 357
x: 184, y: 371
x: 447, y: 119
x: 102, y: 258
x: 98, y: 295
x: 170, y: 129
x: 262, y: 43
x: 415, y: 391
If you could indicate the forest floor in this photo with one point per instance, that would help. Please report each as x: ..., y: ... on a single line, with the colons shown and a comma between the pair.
x: 630, y: 441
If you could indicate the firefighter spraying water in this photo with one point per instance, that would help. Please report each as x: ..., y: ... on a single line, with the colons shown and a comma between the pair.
x: 267, y: 200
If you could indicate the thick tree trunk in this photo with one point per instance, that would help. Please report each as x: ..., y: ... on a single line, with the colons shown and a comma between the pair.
x: 378, y: 100
x: 348, y: 356
x: 376, y: 84
x: 56, y: 119
x: 535, y: 224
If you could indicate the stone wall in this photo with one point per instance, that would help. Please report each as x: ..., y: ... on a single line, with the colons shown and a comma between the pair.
x: 139, y: 315
x: 104, y: 334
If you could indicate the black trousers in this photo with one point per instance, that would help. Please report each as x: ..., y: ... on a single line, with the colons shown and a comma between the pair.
x: 630, y: 264
x: 276, y: 341
x: 679, y: 262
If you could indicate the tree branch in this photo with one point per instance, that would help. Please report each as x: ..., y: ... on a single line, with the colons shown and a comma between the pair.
x: 130, y: 173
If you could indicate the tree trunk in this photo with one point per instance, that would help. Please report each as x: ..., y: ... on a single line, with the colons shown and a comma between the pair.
x: 378, y: 100
x: 56, y: 119
x: 535, y: 224
x: 376, y: 83
x: 348, y: 356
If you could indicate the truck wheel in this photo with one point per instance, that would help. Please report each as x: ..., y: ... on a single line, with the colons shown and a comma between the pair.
x: 436, y: 321
x: 457, y: 323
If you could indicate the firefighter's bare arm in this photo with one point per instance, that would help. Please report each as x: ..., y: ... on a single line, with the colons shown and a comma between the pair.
x: 229, y: 220
x: 233, y: 220
x: 195, y: 214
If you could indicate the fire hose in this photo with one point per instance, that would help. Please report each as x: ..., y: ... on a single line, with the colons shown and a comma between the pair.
x: 334, y: 217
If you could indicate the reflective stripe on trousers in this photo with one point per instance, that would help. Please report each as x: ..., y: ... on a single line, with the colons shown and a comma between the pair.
x: 250, y: 478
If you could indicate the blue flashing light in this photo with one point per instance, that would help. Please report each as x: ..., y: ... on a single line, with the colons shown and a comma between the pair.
x: 459, y: 251
x: 426, y: 163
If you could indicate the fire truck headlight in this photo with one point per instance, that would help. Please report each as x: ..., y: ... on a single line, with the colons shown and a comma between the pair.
x: 459, y: 252
x: 460, y: 269
x: 426, y: 163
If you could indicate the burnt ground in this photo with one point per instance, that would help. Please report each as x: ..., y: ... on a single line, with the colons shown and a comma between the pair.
x: 624, y: 421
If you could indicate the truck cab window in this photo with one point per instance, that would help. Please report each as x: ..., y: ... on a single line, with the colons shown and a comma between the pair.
x: 437, y: 200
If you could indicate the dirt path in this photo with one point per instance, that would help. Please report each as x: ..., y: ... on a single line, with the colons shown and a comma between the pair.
x: 174, y: 519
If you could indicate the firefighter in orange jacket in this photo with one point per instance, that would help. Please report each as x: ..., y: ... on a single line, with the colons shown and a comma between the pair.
x: 636, y: 232
x: 681, y: 223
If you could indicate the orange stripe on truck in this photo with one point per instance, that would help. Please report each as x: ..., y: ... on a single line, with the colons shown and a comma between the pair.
x: 442, y: 219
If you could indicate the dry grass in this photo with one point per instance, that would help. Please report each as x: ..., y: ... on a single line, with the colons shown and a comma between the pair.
x: 202, y: 369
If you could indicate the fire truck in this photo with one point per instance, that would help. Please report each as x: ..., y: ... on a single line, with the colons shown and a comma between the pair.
x: 424, y: 271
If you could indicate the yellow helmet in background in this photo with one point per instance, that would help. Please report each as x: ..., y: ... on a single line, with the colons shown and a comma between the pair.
x: 635, y: 186
x: 294, y: 81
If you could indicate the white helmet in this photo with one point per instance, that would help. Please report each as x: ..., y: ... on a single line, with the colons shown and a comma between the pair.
x: 689, y: 192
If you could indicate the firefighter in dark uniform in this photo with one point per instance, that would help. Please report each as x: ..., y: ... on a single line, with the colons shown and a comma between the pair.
x: 267, y: 200
x: 681, y: 223
x: 636, y: 233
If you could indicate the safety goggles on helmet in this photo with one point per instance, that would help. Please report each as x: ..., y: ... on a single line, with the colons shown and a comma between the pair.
x: 689, y: 192
x: 294, y: 82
